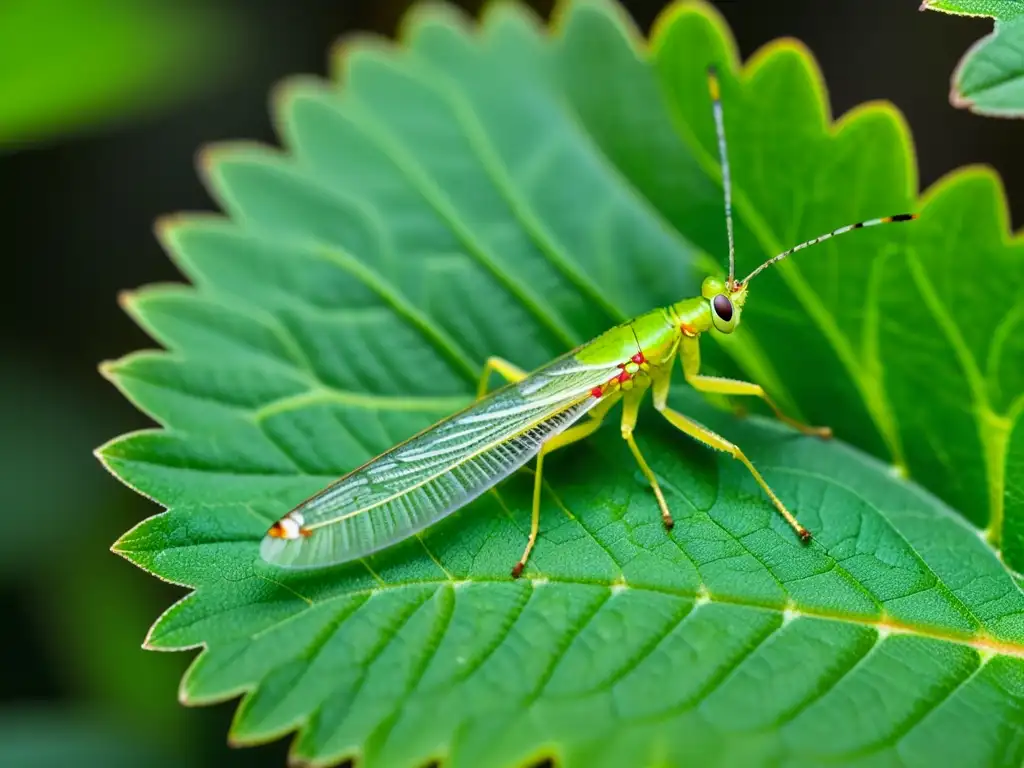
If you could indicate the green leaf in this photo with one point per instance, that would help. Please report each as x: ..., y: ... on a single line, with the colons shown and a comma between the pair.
x: 471, y: 193
x: 43, y: 737
x: 32, y: 457
x: 68, y: 64
x: 878, y: 312
x: 989, y: 80
x: 996, y: 9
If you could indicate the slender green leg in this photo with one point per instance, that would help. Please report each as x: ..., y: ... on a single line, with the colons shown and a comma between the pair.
x: 721, y: 386
x: 630, y: 409
x: 512, y: 373
x: 572, y: 435
x: 689, y: 355
x: 508, y: 371
x: 714, y: 440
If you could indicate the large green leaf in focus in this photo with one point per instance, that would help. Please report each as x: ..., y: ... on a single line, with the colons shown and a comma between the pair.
x: 503, y: 191
x: 989, y: 79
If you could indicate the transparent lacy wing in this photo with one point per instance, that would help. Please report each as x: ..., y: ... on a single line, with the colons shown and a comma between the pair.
x: 431, y: 475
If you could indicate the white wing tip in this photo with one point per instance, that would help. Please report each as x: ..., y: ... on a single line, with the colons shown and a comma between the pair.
x: 271, y: 549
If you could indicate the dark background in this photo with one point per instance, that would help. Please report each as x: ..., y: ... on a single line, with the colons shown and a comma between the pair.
x: 76, y: 220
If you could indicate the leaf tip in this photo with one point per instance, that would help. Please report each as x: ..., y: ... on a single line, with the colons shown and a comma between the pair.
x: 345, y: 47
x: 958, y: 100
x: 124, y: 547
x: 681, y: 11
x: 210, y: 157
x: 183, y: 697
x: 107, y: 460
x: 792, y: 51
x: 206, y: 159
x: 494, y: 11
x: 102, y: 453
x: 108, y: 369
x: 286, y: 94
x: 128, y: 300
x: 121, y: 549
x: 432, y: 12
x: 164, y: 226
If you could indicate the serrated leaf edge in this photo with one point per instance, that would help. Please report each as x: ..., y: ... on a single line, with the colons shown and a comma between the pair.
x: 984, y: 645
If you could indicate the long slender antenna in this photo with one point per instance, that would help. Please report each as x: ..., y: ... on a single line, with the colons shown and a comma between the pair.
x: 833, y: 233
x: 716, y: 105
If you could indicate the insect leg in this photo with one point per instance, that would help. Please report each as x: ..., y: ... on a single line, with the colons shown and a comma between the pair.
x: 706, y: 436
x: 721, y: 386
x: 508, y: 371
x: 571, y: 435
x: 517, y: 569
x: 630, y: 409
x: 690, y: 358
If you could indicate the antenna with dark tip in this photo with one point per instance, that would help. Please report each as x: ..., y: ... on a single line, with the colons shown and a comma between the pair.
x: 716, y: 105
x: 833, y: 233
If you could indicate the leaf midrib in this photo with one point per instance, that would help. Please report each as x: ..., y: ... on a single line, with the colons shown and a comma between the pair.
x: 982, y: 642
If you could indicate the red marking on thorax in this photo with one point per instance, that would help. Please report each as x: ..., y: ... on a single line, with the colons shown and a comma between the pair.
x: 623, y: 376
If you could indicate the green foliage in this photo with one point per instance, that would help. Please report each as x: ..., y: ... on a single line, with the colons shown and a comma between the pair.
x: 990, y: 78
x: 997, y: 9
x: 472, y: 193
x: 46, y: 737
x: 30, y: 453
x: 72, y: 63
x: 46, y: 436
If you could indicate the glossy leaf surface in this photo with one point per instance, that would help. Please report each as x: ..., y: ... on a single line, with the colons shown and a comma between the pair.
x: 470, y: 193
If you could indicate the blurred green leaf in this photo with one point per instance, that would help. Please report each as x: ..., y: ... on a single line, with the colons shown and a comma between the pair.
x: 49, y: 737
x: 989, y: 79
x: 469, y: 194
x: 67, y: 64
x: 48, y: 429
x: 105, y: 665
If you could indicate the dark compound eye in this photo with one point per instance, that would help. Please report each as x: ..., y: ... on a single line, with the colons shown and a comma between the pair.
x: 722, y: 307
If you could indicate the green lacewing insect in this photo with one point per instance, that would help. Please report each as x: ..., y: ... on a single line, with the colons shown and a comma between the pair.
x: 443, y: 468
